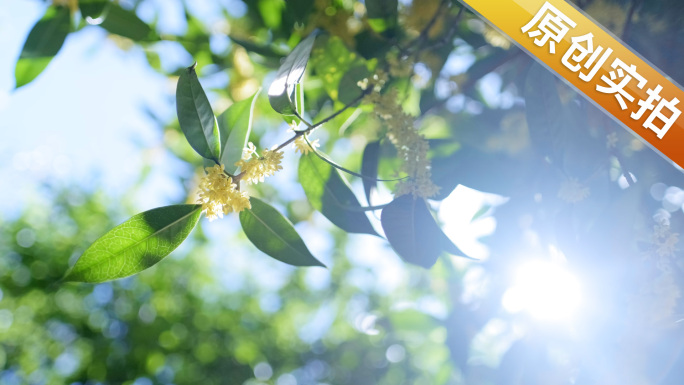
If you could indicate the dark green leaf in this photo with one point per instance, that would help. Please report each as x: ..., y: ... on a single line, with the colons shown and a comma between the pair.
x: 330, y: 194
x: 135, y: 245
x: 274, y: 234
x: 290, y: 73
x: 195, y: 116
x: 381, y: 9
x: 42, y: 44
x: 413, y: 232
x: 92, y: 10
x: 369, y: 167
x: 235, y: 125
x: 126, y: 23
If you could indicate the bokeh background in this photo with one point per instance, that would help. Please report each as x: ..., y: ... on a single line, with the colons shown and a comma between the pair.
x: 564, y: 291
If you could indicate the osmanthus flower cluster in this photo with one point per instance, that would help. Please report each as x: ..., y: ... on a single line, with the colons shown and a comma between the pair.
x: 219, y: 193
x: 255, y: 168
x: 412, y: 147
x: 302, y: 147
x: 219, y: 196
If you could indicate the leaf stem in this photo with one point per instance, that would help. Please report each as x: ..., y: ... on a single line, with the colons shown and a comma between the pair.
x: 311, y: 127
x: 351, y: 104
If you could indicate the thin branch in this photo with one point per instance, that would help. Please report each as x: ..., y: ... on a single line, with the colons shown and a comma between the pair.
x: 449, y: 35
x: 472, y: 81
x: 425, y: 31
x: 336, y: 113
x: 311, y: 127
x: 292, y: 139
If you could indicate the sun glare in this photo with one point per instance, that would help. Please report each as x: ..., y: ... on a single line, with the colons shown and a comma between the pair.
x: 545, y: 290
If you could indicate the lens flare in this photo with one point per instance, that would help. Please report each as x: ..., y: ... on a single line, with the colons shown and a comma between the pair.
x: 545, y: 290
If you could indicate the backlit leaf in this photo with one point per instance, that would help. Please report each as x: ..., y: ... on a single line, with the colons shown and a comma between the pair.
x: 42, y: 44
x: 235, y: 125
x: 135, y: 245
x: 290, y: 73
x: 331, y: 61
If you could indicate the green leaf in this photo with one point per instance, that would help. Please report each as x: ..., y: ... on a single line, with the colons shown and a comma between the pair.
x: 42, y: 44
x: 369, y: 167
x: 92, y: 10
x: 195, y: 116
x: 235, y: 125
x: 271, y: 12
x: 290, y: 73
x: 135, y: 245
x: 275, y: 235
x: 126, y: 23
x: 330, y: 194
x: 413, y: 232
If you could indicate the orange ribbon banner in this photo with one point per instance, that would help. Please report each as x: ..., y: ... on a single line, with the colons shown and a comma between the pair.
x: 596, y: 63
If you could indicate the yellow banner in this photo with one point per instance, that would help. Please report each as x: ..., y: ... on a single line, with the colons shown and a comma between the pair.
x: 598, y: 64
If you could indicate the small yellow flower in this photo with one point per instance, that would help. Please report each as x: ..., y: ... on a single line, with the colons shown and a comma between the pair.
x: 254, y: 170
x: 218, y: 194
x: 572, y: 191
x: 377, y: 81
x: 412, y: 147
x: 248, y: 151
x: 302, y: 147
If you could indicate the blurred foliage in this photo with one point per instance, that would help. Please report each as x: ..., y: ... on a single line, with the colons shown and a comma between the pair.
x: 577, y: 184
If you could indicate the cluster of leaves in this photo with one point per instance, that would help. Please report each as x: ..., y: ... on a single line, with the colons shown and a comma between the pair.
x: 146, y: 238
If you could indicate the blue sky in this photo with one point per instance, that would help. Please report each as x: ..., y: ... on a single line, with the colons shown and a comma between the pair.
x: 81, y: 120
